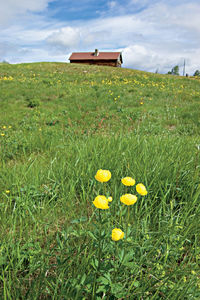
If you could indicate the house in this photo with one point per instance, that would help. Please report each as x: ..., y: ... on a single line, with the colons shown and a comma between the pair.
x: 113, y: 59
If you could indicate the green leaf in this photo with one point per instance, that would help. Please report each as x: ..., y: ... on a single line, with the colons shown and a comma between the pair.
x: 136, y: 284
x: 92, y: 235
x: 103, y: 280
x: 83, y: 279
x: 101, y: 289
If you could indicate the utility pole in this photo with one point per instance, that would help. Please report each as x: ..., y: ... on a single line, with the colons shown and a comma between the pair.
x: 184, y: 68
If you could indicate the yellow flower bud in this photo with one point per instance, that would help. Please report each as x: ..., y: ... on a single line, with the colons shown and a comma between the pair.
x: 101, y: 202
x: 141, y: 189
x: 103, y: 175
x: 117, y: 234
x: 128, y: 199
x: 129, y: 181
x: 110, y: 199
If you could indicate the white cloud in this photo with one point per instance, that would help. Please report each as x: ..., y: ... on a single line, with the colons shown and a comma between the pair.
x: 146, y: 59
x: 160, y: 35
x: 65, y: 38
x: 112, y: 4
x: 12, y: 9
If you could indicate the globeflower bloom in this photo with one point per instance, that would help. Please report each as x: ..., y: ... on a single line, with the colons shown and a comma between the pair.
x: 128, y: 199
x: 128, y: 181
x: 117, y: 234
x: 101, y: 202
x: 141, y: 189
x: 103, y: 175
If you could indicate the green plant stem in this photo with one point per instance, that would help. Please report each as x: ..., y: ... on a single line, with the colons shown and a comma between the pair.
x: 99, y: 256
x: 127, y: 222
x: 99, y: 244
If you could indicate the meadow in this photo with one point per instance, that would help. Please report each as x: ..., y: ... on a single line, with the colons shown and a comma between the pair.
x: 60, y: 124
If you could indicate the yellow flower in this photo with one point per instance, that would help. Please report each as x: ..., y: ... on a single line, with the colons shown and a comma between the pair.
x: 128, y: 181
x: 117, y: 234
x: 103, y: 175
x: 2, y: 134
x: 4, y: 127
x: 141, y: 189
x: 193, y: 272
x: 7, y: 192
x: 101, y: 202
x: 128, y: 199
x: 9, y: 127
x: 109, y: 199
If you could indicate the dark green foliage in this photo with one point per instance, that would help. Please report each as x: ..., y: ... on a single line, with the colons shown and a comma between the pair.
x: 174, y: 71
x: 197, y: 73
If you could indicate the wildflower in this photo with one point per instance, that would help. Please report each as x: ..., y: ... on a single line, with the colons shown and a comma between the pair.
x: 103, y: 175
x: 141, y: 189
x: 101, y: 202
x: 7, y: 192
x: 117, y: 234
x: 2, y: 134
x: 128, y: 199
x: 4, y: 127
x: 110, y: 199
x: 9, y: 127
x: 129, y: 181
x: 141, y: 103
x: 193, y: 272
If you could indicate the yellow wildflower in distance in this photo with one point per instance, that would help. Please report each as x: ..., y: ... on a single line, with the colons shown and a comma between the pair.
x: 103, y: 175
x: 141, y: 189
x: 117, y: 234
x: 110, y: 199
x: 101, y: 202
x: 129, y: 181
x: 7, y: 192
x: 2, y: 134
x: 128, y: 199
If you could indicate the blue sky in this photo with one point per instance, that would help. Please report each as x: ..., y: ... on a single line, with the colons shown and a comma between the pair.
x: 151, y: 35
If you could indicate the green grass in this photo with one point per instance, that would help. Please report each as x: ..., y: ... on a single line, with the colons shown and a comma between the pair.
x: 60, y: 123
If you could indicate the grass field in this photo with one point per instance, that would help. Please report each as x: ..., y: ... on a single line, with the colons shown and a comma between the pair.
x: 59, y: 124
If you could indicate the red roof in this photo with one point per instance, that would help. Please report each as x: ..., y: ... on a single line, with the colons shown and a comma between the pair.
x: 91, y: 56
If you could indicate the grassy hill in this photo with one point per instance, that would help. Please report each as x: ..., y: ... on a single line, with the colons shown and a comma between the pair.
x: 60, y: 123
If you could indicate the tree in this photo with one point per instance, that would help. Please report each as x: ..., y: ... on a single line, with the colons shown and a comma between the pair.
x: 197, y: 73
x: 174, y: 71
x: 5, y: 62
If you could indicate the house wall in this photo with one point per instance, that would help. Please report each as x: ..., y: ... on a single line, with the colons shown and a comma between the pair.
x: 112, y: 63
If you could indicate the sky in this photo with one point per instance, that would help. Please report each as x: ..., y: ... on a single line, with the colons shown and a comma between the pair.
x: 153, y: 35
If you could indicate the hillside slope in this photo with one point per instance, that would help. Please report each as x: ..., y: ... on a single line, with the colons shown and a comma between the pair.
x: 59, y: 124
x: 95, y: 99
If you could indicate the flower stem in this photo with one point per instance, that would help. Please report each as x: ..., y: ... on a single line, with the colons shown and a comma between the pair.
x: 99, y: 244
x: 99, y: 257
x: 127, y: 222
